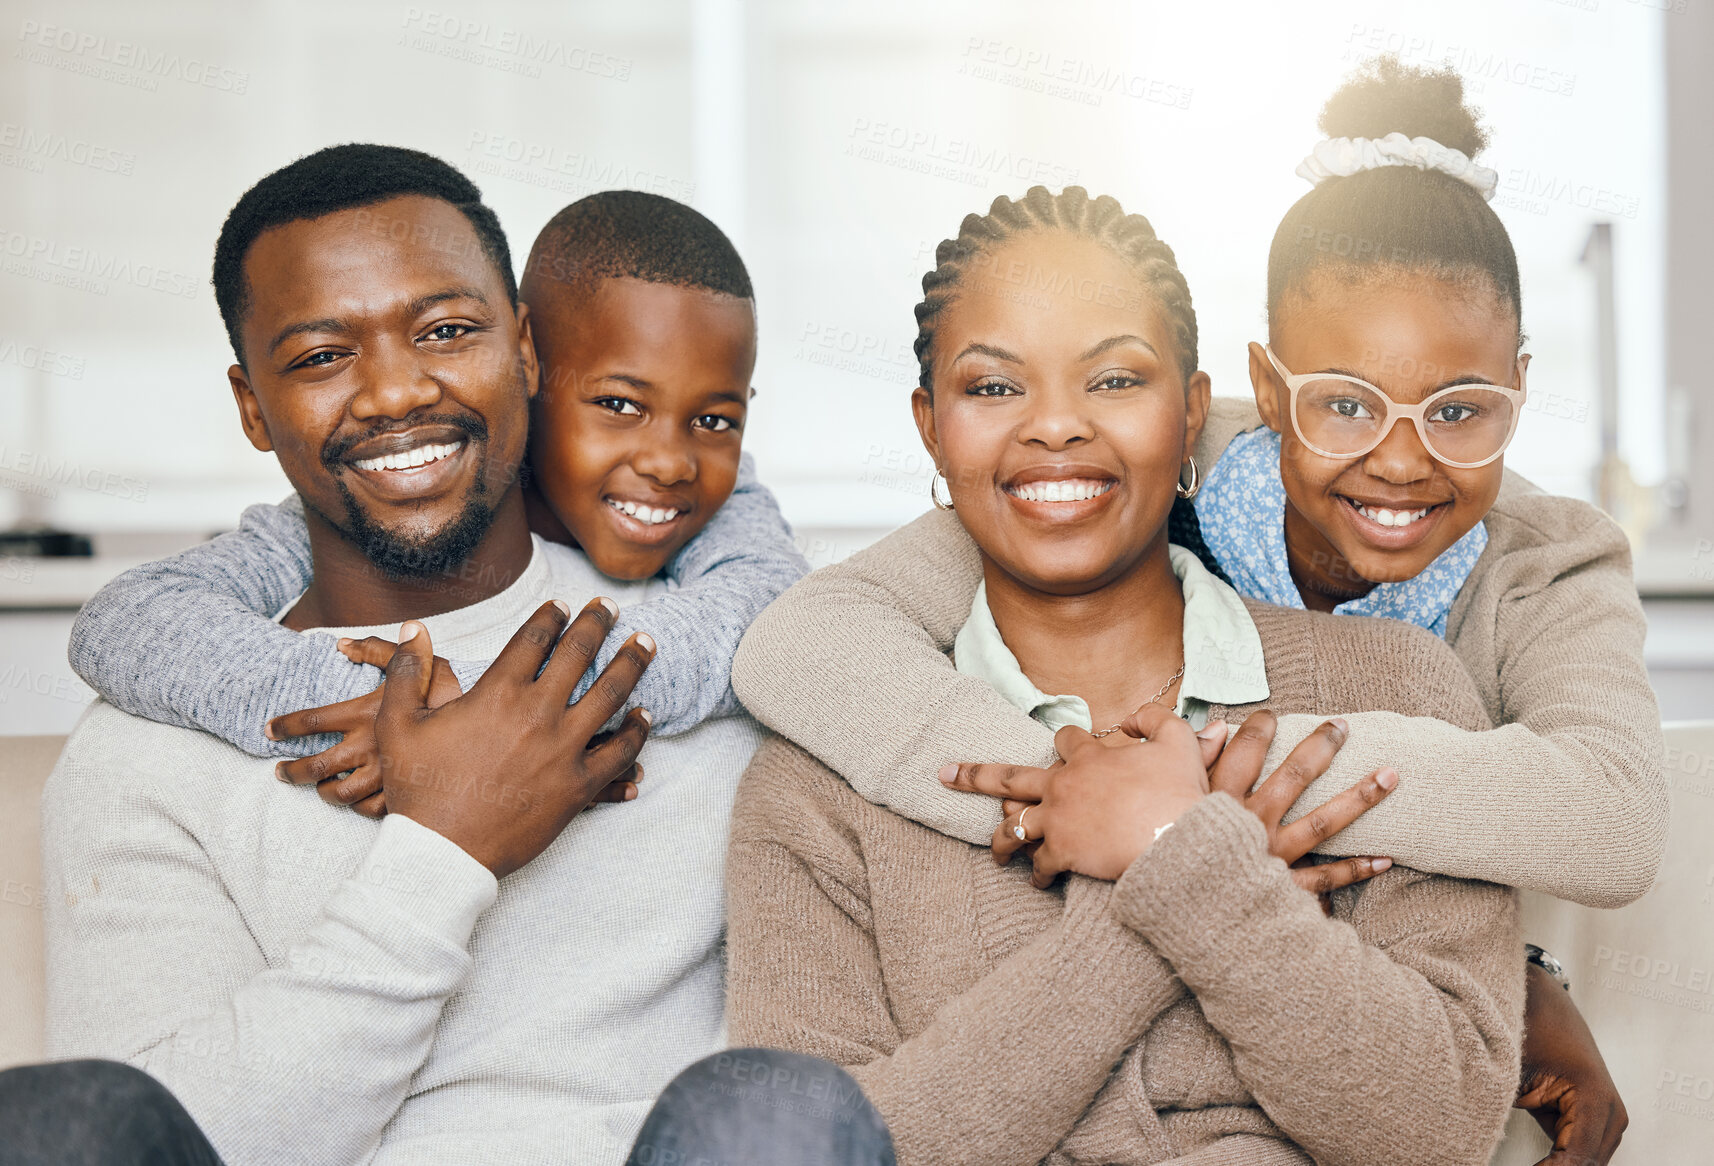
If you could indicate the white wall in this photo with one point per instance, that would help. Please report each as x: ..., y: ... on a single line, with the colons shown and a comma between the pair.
x: 836, y: 142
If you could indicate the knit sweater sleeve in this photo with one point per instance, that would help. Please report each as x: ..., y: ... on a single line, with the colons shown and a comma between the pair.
x: 805, y: 975
x: 851, y: 664
x: 1428, y: 975
x: 1567, y: 795
x: 150, y: 962
x: 189, y: 641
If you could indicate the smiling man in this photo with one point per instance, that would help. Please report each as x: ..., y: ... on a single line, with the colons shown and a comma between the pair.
x: 497, y: 970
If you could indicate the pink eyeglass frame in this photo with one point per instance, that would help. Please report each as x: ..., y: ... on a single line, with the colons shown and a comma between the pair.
x: 1396, y: 411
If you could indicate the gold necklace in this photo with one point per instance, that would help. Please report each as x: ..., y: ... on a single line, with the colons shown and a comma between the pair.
x: 1155, y: 699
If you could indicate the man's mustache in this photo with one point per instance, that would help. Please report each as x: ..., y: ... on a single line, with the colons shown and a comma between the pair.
x: 334, y: 450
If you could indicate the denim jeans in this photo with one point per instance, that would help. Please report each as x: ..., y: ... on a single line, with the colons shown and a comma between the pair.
x: 762, y: 1107
x: 95, y: 1113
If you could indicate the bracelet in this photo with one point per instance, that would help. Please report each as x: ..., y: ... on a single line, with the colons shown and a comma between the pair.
x: 1547, y: 963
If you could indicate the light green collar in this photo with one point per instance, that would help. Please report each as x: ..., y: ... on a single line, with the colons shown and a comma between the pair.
x: 1222, y: 653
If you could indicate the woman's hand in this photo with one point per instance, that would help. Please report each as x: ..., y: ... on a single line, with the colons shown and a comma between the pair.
x: 1565, y: 1084
x: 1235, y: 768
x: 1096, y: 813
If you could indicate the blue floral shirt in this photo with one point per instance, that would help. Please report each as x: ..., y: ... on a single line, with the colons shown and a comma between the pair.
x: 1241, y: 508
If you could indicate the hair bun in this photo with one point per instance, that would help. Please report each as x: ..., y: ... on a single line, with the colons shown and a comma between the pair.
x: 1386, y: 96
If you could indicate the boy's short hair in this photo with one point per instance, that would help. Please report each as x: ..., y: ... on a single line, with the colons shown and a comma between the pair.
x: 335, y: 179
x: 631, y: 234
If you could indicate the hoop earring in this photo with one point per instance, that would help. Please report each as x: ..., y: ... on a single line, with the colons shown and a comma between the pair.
x: 934, y: 493
x: 1186, y: 492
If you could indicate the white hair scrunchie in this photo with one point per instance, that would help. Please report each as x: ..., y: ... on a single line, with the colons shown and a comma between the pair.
x: 1343, y: 157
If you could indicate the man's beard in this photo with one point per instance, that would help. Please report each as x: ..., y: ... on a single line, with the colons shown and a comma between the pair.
x: 402, y: 557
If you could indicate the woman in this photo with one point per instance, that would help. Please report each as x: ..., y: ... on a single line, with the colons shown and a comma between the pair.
x: 983, y: 1016
x: 1401, y: 274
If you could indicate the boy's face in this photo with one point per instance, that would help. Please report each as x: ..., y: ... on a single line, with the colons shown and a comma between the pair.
x: 635, y: 435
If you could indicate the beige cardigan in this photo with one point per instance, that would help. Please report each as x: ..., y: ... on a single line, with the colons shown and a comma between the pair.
x: 1202, y: 1010
x: 1567, y: 797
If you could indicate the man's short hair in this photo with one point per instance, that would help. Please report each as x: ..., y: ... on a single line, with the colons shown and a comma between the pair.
x: 631, y: 234
x: 336, y: 179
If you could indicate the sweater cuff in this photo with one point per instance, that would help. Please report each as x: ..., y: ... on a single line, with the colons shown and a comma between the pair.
x: 427, y: 878
x: 1198, y: 879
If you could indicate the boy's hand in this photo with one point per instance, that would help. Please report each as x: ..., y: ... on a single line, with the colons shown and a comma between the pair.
x: 502, y: 769
x: 1565, y: 1084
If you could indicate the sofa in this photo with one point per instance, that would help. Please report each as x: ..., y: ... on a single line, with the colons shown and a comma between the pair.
x: 1643, y: 976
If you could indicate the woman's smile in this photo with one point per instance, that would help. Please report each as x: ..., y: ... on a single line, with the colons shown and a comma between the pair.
x: 1061, y: 493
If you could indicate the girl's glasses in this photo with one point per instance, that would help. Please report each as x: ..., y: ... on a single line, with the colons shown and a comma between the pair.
x: 1341, y: 417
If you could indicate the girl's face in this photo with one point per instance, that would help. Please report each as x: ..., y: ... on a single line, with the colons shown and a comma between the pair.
x: 1059, y: 415
x: 1408, y: 338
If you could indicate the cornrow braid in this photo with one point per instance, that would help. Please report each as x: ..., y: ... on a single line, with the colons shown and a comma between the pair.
x: 1102, y: 219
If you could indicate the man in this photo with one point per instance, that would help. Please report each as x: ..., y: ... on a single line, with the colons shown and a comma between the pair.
x: 315, y: 986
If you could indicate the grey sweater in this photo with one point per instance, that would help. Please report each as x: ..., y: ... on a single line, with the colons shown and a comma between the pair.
x: 189, y: 640
x: 318, y: 987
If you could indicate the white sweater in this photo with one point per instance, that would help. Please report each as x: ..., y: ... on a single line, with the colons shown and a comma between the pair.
x: 320, y: 988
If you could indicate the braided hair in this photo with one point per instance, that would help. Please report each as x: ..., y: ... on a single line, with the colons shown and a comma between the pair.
x: 1396, y: 219
x: 1101, y: 219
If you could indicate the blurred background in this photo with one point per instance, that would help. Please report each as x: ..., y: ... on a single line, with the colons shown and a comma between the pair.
x: 836, y: 143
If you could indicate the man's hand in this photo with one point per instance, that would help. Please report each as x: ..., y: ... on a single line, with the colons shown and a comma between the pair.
x: 1565, y: 1084
x: 501, y: 770
x: 1241, y: 763
x: 346, y: 773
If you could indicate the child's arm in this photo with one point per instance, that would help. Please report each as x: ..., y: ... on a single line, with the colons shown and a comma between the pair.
x: 189, y: 641
x: 850, y: 663
x: 722, y: 579
x: 1567, y: 796
x: 1568, y: 801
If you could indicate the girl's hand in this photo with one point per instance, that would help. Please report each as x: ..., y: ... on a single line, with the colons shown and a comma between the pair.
x: 1100, y: 810
x: 1565, y: 1084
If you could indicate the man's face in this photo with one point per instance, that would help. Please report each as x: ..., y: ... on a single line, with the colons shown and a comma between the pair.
x: 387, y: 369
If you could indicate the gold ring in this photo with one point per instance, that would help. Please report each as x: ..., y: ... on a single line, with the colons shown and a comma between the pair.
x: 1018, y: 830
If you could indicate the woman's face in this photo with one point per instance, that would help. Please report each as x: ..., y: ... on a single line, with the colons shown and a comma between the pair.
x: 1059, y: 415
x: 1408, y: 338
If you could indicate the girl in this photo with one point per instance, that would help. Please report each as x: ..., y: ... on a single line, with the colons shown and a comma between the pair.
x: 983, y: 1016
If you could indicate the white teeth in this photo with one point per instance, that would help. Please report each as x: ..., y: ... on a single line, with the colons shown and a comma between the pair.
x: 1384, y: 517
x: 1066, y: 490
x: 648, y: 516
x: 410, y: 459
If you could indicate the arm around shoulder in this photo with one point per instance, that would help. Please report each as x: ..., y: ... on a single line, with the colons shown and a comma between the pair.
x: 851, y: 664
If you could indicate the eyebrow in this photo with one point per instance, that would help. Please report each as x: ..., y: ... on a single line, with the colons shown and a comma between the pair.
x: 415, y: 308
x: 736, y: 396
x: 980, y: 349
x: 1113, y: 342
x: 1471, y: 379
